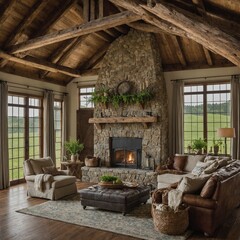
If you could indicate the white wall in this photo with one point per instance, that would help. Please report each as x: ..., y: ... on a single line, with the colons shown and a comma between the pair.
x: 27, y: 85
x: 73, y: 104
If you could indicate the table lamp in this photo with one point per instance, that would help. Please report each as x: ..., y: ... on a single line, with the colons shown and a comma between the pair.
x: 226, y: 133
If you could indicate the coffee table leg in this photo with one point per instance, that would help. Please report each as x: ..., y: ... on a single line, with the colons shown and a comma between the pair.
x: 84, y: 207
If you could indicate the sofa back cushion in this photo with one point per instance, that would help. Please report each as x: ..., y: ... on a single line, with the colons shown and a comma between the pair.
x: 192, y: 185
x: 27, y: 166
x: 209, y: 187
x: 180, y: 162
x: 38, y: 164
x: 192, y: 161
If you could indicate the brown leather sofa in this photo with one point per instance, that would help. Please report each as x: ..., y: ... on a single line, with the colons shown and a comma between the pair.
x: 211, y: 206
x: 207, y: 213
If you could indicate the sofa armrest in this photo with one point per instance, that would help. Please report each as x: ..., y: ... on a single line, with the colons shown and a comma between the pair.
x: 198, y: 201
x: 46, y: 178
x: 64, y: 172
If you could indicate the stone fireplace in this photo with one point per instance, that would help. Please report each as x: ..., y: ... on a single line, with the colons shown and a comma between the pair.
x: 126, y: 152
x: 133, y: 58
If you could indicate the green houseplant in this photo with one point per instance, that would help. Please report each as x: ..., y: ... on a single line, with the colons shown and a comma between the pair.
x: 73, y: 147
x: 198, y: 145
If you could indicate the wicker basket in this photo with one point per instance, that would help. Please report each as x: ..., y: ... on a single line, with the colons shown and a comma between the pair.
x: 91, y: 161
x: 170, y: 222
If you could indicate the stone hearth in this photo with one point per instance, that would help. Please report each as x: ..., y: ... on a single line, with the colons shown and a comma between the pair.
x: 135, y: 58
x: 145, y: 177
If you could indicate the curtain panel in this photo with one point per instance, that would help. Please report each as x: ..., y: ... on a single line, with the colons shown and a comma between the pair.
x: 235, y: 115
x: 48, y: 122
x: 4, y: 163
x: 176, y: 122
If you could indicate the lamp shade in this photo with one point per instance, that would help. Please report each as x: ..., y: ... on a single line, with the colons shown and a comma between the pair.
x: 226, y: 132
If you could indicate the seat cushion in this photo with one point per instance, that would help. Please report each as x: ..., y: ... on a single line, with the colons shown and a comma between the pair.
x: 61, y: 181
x: 171, y: 178
x: 38, y: 164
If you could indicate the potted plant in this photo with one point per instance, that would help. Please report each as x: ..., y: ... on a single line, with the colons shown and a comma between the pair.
x: 198, y: 145
x: 73, y: 147
x: 100, y: 96
x: 216, y: 145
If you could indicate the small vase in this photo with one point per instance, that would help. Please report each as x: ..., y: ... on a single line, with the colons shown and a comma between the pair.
x: 73, y: 158
x: 216, y: 150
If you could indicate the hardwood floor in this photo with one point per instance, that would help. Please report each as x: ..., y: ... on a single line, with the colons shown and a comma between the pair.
x: 19, y: 226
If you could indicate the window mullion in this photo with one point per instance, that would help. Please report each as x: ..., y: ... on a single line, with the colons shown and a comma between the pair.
x: 27, y: 128
x: 205, y: 127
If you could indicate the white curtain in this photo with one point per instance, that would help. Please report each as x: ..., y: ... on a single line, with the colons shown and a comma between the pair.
x: 64, y: 123
x: 235, y: 114
x: 176, y: 122
x: 4, y: 165
x: 48, y: 122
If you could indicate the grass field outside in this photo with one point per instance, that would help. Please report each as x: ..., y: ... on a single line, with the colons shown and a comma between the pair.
x: 193, y: 129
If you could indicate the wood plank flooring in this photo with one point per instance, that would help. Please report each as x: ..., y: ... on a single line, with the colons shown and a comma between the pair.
x: 17, y: 226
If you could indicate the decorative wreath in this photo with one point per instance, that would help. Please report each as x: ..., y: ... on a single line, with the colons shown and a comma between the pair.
x: 123, y: 87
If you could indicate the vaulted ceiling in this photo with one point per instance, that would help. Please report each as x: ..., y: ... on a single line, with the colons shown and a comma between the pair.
x: 55, y: 41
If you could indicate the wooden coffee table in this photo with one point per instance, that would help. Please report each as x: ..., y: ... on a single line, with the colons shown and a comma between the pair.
x: 119, y: 200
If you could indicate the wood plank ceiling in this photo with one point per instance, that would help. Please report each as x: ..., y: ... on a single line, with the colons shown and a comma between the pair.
x: 55, y: 41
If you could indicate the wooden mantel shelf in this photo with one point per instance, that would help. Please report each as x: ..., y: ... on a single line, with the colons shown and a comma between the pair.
x: 144, y: 120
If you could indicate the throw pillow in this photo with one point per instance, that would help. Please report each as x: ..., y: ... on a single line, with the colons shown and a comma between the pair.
x: 222, y: 163
x: 199, y: 168
x: 51, y: 170
x: 179, y: 162
x: 192, y: 161
x: 192, y: 185
x: 212, y: 168
x: 209, y: 187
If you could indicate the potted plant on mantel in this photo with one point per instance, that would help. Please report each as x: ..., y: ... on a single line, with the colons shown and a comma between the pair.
x: 73, y: 147
x: 198, y: 145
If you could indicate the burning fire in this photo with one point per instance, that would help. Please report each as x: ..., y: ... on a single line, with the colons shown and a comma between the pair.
x: 130, y: 158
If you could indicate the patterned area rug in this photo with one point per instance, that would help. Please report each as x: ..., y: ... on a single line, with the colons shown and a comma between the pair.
x: 138, y: 223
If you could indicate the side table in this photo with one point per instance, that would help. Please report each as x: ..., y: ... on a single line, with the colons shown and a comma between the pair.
x: 74, y: 168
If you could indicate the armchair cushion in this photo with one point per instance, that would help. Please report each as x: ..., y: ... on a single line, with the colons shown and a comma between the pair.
x: 61, y: 181
x: 38, y: 164
x: 51, y: 170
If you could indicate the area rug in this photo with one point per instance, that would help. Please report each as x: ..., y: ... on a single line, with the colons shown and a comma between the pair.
x: 137, y: 223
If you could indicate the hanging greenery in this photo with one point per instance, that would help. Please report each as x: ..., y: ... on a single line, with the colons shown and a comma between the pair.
x: 104, y: 96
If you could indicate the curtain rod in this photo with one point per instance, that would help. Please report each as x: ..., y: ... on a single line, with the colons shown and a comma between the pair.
x: 36, y: 89
x: 192, y: 78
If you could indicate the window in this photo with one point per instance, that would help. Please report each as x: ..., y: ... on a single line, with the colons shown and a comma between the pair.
x: 58, y: 130
x: 85, y: 94
x: 206, y: 108
x: 24, y: 132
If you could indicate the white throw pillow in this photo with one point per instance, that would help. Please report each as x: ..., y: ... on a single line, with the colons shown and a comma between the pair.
x: 200, y: 167
x: 192, y: 185
x: 192, y: 161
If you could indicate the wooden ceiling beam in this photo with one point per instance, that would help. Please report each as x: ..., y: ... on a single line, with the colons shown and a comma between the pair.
x: 178, y: 50
x: 26, y: 22
x: 41, y: 64
x: 199, y: 30
x: 23, y: 25
x: 62, y: 56
x: 65, y: 6
x: 5, y: 10
x: 133, y: 6
x: 202, y: 11
x: 78, y: 30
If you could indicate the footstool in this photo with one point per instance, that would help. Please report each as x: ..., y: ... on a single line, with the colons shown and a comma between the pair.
x: 119, y: 200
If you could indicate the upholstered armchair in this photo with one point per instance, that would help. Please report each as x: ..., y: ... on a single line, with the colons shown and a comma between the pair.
x: 45, y: 181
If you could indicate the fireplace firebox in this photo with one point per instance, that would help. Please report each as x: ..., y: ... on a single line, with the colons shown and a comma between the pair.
x: 126, y: 152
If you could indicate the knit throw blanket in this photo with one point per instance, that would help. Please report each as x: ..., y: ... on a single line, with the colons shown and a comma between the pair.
x: 38, y: 182
x: 174, y: 199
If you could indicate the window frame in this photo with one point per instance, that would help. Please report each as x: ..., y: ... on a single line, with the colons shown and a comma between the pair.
x: 87, y: 93
x: 205, y: 92
x: 26, y: 108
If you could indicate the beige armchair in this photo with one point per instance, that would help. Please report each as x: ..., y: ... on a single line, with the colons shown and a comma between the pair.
x: 45, y: 181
